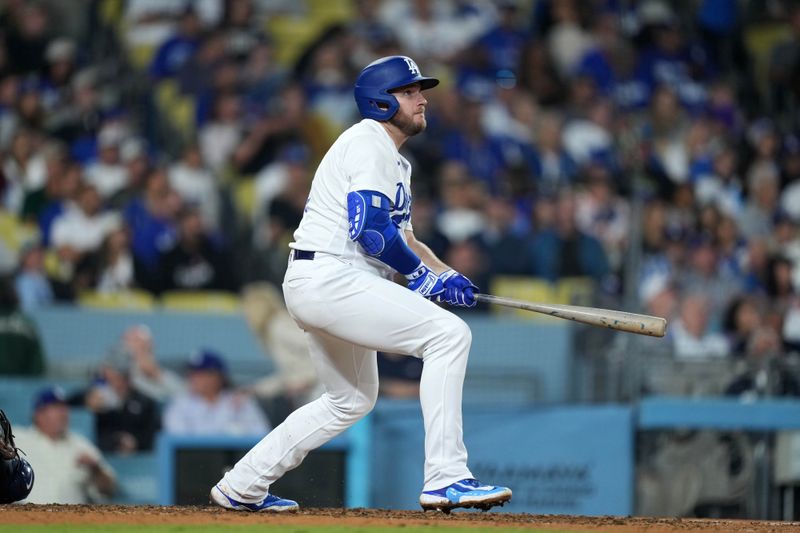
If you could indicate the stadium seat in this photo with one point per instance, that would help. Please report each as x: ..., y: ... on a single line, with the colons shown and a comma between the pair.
x: 524, y: 288
x: 179, y: 109
x: 132, y: 299
x: 574, y: 291
x: 201, y: 301
x: 15, y: 233
x: 293, y: 34
x: 244, y: 197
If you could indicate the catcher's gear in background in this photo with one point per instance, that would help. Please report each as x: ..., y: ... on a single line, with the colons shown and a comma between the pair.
x: 16, y: 474
x: 379, y: 77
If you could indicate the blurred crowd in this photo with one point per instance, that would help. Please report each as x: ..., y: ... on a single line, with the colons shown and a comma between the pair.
x: 648, y: 145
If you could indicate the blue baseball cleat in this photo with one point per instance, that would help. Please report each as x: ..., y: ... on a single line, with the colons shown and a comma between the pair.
x: 271, y: 503
x: 464, y: 493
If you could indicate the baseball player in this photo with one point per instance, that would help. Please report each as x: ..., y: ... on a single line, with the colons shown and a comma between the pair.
x: 16, y: 473
x: 356, y: 232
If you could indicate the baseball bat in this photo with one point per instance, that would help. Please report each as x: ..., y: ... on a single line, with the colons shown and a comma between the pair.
x: 653, y: 326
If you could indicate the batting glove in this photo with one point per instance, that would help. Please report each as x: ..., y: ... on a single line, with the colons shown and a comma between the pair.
x: 458, y: 289
x: 425, y: 282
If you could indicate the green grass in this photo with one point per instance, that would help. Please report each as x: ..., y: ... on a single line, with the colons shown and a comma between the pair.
x: 252, y: 528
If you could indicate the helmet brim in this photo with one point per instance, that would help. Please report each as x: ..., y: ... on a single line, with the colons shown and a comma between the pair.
x: 424, y: 83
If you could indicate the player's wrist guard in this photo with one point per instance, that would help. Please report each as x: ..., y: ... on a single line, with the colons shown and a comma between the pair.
x: 425, y: 282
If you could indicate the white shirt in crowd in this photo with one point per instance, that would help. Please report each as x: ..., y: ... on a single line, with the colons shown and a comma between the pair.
x: 107, y: 179
x: 59, y: 477
x: 232, y: 414
x: 197, y: 186
x: 82, y: 232
x: 688, y: 347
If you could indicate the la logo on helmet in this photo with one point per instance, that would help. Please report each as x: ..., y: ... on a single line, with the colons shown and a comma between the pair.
x: 412, y: 67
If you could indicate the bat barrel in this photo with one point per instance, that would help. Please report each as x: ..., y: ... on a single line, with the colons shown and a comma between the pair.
x: 620, y: 320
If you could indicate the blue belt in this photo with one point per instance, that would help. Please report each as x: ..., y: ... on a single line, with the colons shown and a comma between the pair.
x: 302, y: 254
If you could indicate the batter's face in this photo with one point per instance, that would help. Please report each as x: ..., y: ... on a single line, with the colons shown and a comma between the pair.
x: 410, y: 118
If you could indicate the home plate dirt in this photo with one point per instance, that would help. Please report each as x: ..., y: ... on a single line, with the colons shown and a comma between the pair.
x: 116, y: 514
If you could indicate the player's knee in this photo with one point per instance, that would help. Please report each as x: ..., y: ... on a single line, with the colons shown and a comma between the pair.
x: 452, y: 338
x: 356, y: 405
x: 367, y: 400
x: 459, y: 332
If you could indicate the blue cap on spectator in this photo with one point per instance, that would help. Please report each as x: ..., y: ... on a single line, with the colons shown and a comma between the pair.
x: 207, y: 360
x: 48, y: 396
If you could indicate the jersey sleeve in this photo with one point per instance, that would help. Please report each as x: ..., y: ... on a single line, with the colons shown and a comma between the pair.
x: 370, y: 166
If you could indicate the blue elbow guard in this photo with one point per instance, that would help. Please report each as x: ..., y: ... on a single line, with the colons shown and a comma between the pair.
x: 372, y: 227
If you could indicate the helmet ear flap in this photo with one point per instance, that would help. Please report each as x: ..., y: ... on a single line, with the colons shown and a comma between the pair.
x: 384, y: 107
x: 376, y: 104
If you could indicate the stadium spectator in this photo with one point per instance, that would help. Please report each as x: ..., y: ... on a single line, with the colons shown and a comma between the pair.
x: 108, y: 174
x: 603, y: 214
x: 763, y: 184
x: 151, y: 216
x: 81, y: 230
x: 174, y: 52
x: 741, y: 320
x: 21, y: 351
x: 282, y: 192
x: 197, y: 186
x: 196, y: 261
x: 561, y: 250
x: 784, y: 69
x: 112, y: 267
x: 567, y: 40
x: 220, y: 135
x: 53, y: 157
x: 470, y: 145
x: 790, y: 177
x: 288, y: 121
x: 436, y: 30
x: 210, y: 407
x: 28, y: 36
x: 17, y: 178
x: 501, y: 237
x: 691, y: 332
x: 34, y: 286
x: 77, y: 473
x: 460, y: 216
x: 147, y: 376
x: 126, y: 421
x: 64, y: 196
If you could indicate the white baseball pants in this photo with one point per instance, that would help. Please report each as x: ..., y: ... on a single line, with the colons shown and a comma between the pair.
x: 347, y: 315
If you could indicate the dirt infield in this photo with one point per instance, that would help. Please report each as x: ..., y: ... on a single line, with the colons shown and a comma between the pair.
x: 148, y: 515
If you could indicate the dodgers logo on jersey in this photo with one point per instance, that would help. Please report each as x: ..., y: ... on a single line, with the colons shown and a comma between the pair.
x: 401, y: 209
x: 412, y: 67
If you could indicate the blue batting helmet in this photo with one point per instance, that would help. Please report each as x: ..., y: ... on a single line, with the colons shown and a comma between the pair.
x: 381, y: 76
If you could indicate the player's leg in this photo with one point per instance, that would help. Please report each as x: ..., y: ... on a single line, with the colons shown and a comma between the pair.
x: 367, y: 310
x: 370, y: 311
x: 350, y: 376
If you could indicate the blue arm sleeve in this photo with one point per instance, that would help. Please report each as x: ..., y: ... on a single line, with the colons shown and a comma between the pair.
x: 372, y: 227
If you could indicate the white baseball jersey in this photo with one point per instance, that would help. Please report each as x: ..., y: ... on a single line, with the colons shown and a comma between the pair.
x: 363, y: 158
